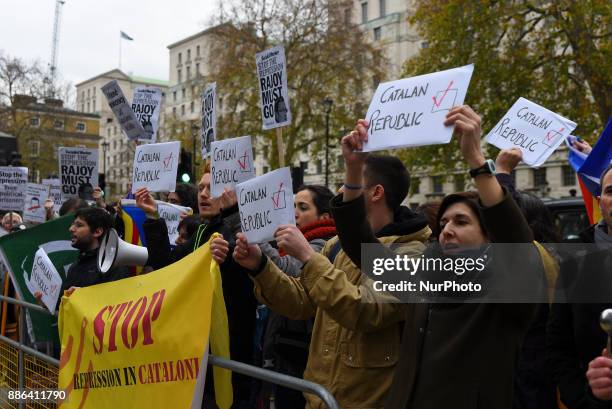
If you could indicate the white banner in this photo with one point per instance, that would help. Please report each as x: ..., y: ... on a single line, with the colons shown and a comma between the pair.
x: 231, y: 163
x: 411, y: 111
x: 209, y: 118
x: 44, y: 278
x: 13, y: 183
x: 34, y: 208
x: 155, y: 166
x: 146, y: 105
x: 265, y: 203
x: 272, y: 73
x: 122, y: 110
x: 535, y: 130
x: 77, y: 167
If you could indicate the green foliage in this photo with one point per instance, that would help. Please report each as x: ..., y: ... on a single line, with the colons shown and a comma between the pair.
x: 555, y: 53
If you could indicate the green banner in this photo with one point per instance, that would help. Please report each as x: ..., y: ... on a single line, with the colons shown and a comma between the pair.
x: 18, y: 249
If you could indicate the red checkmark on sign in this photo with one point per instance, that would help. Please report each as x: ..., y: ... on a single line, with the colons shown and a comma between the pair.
x: 277, y: 194
x: 243, y: 161
x: 168, y: 161
x: 436, y: 102
x: 553, y: 134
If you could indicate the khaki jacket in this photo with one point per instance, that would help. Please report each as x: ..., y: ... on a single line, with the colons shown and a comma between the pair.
x: 355, y: 341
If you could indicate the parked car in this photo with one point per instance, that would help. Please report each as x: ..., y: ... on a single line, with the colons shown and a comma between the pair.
x: 570, y: 217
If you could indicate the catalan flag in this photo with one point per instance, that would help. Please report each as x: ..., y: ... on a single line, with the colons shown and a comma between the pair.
x: 133, y: 219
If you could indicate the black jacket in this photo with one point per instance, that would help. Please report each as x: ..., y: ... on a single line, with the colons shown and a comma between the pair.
x: 574, y: 337
x: 452, y: 355
x: 237, y: 286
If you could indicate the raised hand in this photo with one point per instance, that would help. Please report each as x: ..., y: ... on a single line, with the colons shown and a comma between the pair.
x: 228, y: 198
x: 508, y: 159
x: 467, y: 127
x: 145, y: 201
x: 245, y: 254
x: 291, y: 239
x: 219, y: 248
x: 599, y: 376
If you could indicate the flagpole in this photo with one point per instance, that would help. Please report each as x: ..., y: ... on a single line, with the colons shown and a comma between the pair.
x: 120, y: 50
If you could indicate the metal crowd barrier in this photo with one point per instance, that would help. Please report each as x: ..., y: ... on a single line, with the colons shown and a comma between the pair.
x: 25, y: 354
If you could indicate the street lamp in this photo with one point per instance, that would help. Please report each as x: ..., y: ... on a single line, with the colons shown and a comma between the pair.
x: 105, y: 146
x: 194, y: 135
x: 327, y: 102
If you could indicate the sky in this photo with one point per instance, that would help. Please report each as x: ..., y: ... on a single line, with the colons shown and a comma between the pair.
x: 89, y: 33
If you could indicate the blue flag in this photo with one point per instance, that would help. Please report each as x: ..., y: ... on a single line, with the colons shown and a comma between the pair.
x: 597, y: 161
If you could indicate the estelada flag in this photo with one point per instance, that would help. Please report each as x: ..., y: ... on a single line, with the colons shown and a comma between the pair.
x: 143, y: 341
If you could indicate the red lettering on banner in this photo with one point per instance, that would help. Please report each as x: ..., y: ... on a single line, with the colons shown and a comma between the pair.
x: 131, y: 315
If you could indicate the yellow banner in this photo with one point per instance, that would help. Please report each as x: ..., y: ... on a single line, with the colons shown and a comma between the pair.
x: 141, y: 341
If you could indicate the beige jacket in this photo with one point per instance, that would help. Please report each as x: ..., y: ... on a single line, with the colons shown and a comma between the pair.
x: 355, y: 341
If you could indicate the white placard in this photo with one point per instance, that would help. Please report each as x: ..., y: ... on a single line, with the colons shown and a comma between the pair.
x: 411, y: 111
x: 122, y: 110
x: 231, y: 163
x: 34, y: 208
x: 171, y: 214
x: 77, y: 166
x: 209, y: 117
x: 13, y: 183
x: 265, y: 203
x: 535, y: 130
x: 155, y: 166
x: 274, y: 97
x: 55, y: 192
x: 146, y: 105
x: 44, y: 278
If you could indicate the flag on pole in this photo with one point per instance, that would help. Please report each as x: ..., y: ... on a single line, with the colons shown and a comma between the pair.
x: 126, y: 37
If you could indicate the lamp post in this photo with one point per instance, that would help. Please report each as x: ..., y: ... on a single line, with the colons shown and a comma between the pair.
x: 194, y: 135
x: 327, y: 102
x: 105, y: 146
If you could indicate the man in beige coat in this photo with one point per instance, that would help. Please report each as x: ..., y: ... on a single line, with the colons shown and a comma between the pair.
x: 354, y: 350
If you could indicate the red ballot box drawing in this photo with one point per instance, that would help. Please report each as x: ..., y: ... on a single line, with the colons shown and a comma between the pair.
x: 278, y: 198
x: 244, y: 163
x: 444, y: 100
x: 168, y: 163
x: 552, y: 137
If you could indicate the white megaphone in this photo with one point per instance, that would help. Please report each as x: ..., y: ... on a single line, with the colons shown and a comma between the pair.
x: 114, y: 252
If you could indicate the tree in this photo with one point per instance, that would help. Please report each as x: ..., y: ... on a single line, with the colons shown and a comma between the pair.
x: 327, y: 57
x: 555, y: 53
x: 19, y: 77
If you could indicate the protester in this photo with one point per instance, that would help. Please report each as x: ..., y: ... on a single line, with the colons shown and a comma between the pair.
x: 451, y: 354
x: 187, y: 227
x: 287, y: 341
x: 351, y: 354
x: 575, y: 340
x: 87, y: 230
x: 10, y: 221
x: 72, y: 205
x: 186, y: 195
x: 237, y: 288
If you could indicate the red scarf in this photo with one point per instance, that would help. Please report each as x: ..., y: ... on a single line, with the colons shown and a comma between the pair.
x: 320, y: 229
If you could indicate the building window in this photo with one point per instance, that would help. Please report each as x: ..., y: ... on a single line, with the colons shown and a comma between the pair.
x: 192, y: 107
x: 569, y: 176
x: 189, y: 55
x: 81, y: 127
x: 416, y: 186
x: 424, y: 44
x: 265, y: 169
x: 265, y: 152
x: 539, y: 177
x: 180, y: 58
x: 382, y: 6
x: 115, y: 144
x: 88, y: 107
x: 319, y: 166
x: 183, y: 93
x: 197, y: 69
x: 364, y: 12
x: 180, y: 75
x: 94, y: 91
x: 88, y: 94
x: 108, y: 132
x: 347, y: 16
x: 174, y: 111
x: 459, y: 183
x: 174, y: 96
x: 377, y: 34
x: 93, y: 103
x: 114, y: 130
x: 188, y: 73
x: 182, y: 110
x: 34, y: 149
x: 437, y: 184
x: 82, y: 107
x: 58, y: 124
x: 198, y: 51
x: 83, y: 94
x: 34, y: 122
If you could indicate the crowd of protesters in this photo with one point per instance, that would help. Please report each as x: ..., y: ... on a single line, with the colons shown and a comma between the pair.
x: 325, y: 324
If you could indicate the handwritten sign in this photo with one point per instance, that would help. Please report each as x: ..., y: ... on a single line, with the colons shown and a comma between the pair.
x: 13, y: 182
x: 78, y: 166
x: 209, y: 117
x: 55, y: 192
x: 231, y: 163
x: 411, y: 111
x: 34, y: 208
x: 171, y: 214
x: 535, y: 130
x: 265, y: 203
x: 44, y: 278
x: 122, y: 110
x: 155, y: 166
x: 146, y: 105
x: 272, y: 72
